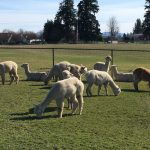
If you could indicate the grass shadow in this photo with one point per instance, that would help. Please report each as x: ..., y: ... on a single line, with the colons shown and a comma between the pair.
x: 132, y: 90
x: 24, y: 118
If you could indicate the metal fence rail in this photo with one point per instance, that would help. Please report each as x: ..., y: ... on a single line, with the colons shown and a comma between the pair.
x: 54, y: 51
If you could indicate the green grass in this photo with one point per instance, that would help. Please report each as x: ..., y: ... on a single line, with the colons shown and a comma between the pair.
x: 107, y: 123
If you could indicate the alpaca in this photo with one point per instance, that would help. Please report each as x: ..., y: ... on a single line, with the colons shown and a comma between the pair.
x: 10, y: 67
x: 141, y: 74
x: 120, y: 76
x: 57, y: 71
x: 58, y: 68
x: 101, y: 66
x: 100, y: 78
x: 33, y: 76
x: 67, y: 74
x: 71, y: 88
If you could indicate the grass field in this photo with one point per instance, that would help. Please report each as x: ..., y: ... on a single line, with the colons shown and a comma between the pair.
x: 107, y: 123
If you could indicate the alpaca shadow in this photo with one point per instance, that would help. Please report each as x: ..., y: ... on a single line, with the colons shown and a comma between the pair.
x: 132, y: 90
x: 27, y: 115
x: 98, y: 96
x: 24, y: 118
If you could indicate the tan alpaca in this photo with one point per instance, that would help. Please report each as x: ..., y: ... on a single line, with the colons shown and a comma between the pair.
x: 58, y: 68
x: 11, y: 68
x: 103, y: 66
x: 71, y: 88
x: 141, y: 74
x: 100, y: 78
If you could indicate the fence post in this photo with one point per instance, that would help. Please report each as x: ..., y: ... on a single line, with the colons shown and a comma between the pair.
x: 53, y: 55
x: 112, y: 61
x: 112, y: 55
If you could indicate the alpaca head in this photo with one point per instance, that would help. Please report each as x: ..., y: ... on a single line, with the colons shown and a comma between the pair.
x: 83, y: 69
x: 108, y: 59
x: 67, y: 74
x: 38, y: 110
x: 25, y: 65
x: 116, y: 91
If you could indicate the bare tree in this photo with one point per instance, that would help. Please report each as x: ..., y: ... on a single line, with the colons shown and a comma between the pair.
x: 113, y: 27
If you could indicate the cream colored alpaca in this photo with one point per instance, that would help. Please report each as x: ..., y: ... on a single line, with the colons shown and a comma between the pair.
x: 11, y: 68
x: 121, y: 76
x: 141, y: 74
x: 101, y: 66
x: 33, y: 76
x: 71, y: 88
x: 100, y: 78
x: 58, y: 68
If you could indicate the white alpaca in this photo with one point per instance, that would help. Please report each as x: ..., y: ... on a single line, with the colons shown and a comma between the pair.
x: 33, y: 76
x: 11, y: 68
x: 100, y: 78
x: 101, y: 66
x: 67, y: 74
x: 64, y: 65
x: 120, y: 76
x: 71, y: 88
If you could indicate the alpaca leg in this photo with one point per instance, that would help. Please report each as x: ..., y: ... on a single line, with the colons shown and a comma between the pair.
x: 69, y: 103
x: 88, y: 90
x: 99, y: 89
x: 75, y: 104
x: 136, y: 86
x: 60, y: 106
x: 3, y: 79
x: 106, y: 92
x: 11, y: 77
x: 15, y: 75
x: 149, y: 84
x: 80, y: 100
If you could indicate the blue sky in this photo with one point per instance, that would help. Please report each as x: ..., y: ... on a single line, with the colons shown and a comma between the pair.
x: 31, y: 15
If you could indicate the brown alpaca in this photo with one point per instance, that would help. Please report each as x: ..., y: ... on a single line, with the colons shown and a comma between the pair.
x: 141, y: 74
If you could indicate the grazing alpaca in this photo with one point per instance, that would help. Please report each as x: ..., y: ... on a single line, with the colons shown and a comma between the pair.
x: 101, y: 66
x: 64, y: 65
x: 120, y: 76
x: 141, y: 74
x: 71, y: 88
x: 33, y: 76
x: 67, y: 74
x: 10, y: 67
x: 100, y: 78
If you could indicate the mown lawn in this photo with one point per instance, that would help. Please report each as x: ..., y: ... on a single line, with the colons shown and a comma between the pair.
x: 107, y: 123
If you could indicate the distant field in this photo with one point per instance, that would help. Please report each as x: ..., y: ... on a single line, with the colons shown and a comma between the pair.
x: 107, y: 122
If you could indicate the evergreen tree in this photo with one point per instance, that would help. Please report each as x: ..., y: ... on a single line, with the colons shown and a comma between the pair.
x: 66, y: 15
x: 138, y: 27
x: 53, y: 31
x: 88, y: 26
x: 146, y: 22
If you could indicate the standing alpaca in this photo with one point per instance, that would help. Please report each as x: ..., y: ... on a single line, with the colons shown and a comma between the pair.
x: 64, y: 65
x: 141, y: 74
x: 33, y: 76
x: 10, y: 67
x: 71, y: 88
x: 101, y: 66
x: 120, y: 76
x: 100, y: 78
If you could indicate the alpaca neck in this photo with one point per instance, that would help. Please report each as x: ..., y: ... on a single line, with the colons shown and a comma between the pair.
x: 27, y: 71
x: 115, y: 71
x: 107, y: 64
x: 113, y: 85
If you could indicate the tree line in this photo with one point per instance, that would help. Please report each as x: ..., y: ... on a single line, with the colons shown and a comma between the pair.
x: 71, y: 25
